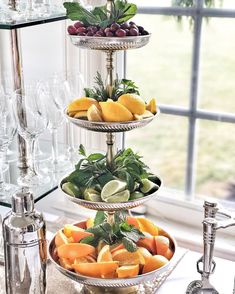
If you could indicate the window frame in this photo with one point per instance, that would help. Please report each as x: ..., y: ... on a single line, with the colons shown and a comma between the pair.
x: 192, y: 112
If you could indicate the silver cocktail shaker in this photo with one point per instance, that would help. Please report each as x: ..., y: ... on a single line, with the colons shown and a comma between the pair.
x: 25, y: 248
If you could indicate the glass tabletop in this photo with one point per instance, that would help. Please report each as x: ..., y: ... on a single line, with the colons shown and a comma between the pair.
x: 27, y: 23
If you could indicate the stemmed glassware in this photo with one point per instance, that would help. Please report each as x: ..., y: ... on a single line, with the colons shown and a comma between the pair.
x: 32, y: 121
x: 7, y: 132
x: 71, y: 87
x: 51, y: 93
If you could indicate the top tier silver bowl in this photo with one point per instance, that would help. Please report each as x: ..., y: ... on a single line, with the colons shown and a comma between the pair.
x: 110, y: 43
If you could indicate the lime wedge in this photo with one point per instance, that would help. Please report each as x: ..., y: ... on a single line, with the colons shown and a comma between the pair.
x: 71, y: 189
x: 111, y: 188
x: 122, y: 196
x: 136, y: 195
x: 148, y: 186
x: 92, y: 195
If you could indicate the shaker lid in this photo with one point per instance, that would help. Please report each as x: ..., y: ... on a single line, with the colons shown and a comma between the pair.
x: 22, y: 202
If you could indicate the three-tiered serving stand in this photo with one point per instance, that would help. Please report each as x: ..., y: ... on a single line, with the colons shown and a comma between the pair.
x: 110, y: 45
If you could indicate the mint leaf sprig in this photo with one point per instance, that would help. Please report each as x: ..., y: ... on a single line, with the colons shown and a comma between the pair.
x: 119, y: 231
x: 121, y: 11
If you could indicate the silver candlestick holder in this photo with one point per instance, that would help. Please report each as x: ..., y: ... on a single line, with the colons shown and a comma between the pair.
x: 206, y: 265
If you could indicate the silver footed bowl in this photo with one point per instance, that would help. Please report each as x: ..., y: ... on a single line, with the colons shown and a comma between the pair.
x: 107, y: 206
x: 110, y: 43
x: 112, y: 283
x: 110, y: 127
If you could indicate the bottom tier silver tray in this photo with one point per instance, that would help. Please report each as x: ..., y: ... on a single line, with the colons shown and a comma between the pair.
x: 109, y: 285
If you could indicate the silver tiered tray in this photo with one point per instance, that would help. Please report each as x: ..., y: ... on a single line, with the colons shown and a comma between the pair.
x: 102, y: 284
x: 110, y: 43
x: 107, y: 206
x: 110, y: 127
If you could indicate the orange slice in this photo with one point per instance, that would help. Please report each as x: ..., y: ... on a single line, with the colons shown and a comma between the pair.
x: 97, y: 270
x: 66, y: 263
x: 147, y: 226
x: 162, y: 244
x: 89, y: 223
x: 154, y: 263
x: 105, y: 254
x: 60, y: 239
x: 133, y: 221
x: 152, y: 105
x: 148, y: 243
x: 128, y: 271
x: 125, y: 257
x: 75, y: 250
x: 146, y: 254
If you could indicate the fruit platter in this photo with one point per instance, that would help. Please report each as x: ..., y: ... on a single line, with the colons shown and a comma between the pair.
x: 124, y: 183
x: 122, y: 253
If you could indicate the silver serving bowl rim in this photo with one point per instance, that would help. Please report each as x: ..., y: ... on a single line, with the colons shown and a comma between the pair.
x: 108, y: 206
x: 127, y: 38
x: 117, y: 282
x: 110, y: 126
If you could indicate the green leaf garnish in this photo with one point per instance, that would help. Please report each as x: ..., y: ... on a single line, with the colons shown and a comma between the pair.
x: 129, y: 244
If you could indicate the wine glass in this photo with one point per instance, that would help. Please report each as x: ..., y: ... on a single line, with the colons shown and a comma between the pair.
x: 7, y: 132
x: 32, y: 121
x: 70, y: 87
x: 49, y: 93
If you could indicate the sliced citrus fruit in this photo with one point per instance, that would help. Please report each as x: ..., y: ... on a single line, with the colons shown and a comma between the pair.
x: 152, y: 105
x: 134, y: 103
x: 132, y: 221
x: 66, y: 263
x: 94, y: 114
x: 128, y: 271
x: 168, y: 254
x: 147, y: 186
x: 154, y: 262
x: 162, y: 244
x: 92, y: 195
x: 136, y: 195
x: 60, y: 239
x: 125, y: 257
x: 89, y: 223
x: 122, y: 196
x: 111, y: 188
x: 97, y: 269
x: 71, y: 189
x: 115, y: 112
x: 148, y: 243
x: 117, y: 247
x: 82, y: 104
x: 147, y: 226
x: 105, y: 254
x: 146, y: 254
x: 81, y: 114
x: 75, y: 250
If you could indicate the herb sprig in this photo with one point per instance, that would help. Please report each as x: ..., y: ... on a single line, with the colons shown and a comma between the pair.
x: 119, y: 231
x: 121, y: 11
x: 120, y: 87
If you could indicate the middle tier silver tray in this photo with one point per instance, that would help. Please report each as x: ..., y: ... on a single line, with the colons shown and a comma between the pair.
x: 107, y: 206
x: 110, y: 127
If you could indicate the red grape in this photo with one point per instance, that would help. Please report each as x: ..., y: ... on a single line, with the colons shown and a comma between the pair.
x: 78, y: 24
x: 115, y: 26
x: 106, y: 30
x: 82, y: 30
x: 98, y: 34
x: 131, y: 23
x: 124, y: 26
x: 90, y: 34
x: 127, y: 32
x: 145, y: 33
x: 81, y: 34
x: 109, y: 34
x: 72, y: 30
x: 134, y: 32
x: 120, y: 33
x: 141, y: 29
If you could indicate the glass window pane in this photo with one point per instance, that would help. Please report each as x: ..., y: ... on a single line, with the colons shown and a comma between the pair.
x: 217, y: 89
x: 158, y: 3
x: 216, y: 160
x: 162, y: 68
x: 163, y: 145
x: 224, y: 4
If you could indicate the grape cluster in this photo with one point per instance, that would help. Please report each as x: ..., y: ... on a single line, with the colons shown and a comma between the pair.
x: 114, y: 30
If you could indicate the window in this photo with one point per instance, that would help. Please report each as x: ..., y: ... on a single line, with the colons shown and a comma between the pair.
x: 189, y: 67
